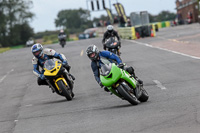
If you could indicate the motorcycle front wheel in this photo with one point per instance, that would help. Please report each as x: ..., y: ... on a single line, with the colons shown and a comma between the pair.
x: 65, y: 91
x: 129, y: 96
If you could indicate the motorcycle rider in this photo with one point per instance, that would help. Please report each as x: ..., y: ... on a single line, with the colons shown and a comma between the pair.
x: 96, y: 58
x: 40, y: 56
x: 111, y: 33
x: 62, y: 36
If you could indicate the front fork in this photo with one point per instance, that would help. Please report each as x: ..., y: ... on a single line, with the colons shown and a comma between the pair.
x: 113, y: 91
x: 51, y: 86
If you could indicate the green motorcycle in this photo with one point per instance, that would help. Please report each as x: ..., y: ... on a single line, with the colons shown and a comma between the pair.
x: 122, y: 84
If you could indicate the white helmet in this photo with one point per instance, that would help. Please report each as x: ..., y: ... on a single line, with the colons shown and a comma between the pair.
x: 37, y: 50
x: 110, y: 28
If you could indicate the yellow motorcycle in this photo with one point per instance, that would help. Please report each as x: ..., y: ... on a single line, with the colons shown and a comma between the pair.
x: 58, y: 78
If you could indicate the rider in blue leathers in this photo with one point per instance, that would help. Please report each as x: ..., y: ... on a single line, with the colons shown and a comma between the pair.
x: 97, y: 56
x: 40, y: 56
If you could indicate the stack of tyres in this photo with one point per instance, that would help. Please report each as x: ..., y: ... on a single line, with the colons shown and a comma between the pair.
x: 138, y: 30
x: 145, y: 31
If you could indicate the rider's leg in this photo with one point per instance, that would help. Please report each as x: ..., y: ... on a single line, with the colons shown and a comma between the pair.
x: 130, y: 70
x: 68, y: 67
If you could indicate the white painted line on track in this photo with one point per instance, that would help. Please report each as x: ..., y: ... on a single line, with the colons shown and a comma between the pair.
x: 158, y: 84
x: 29, y: 105
x: 6, y: 75
x: 148, y: 45
x: 81, y: 54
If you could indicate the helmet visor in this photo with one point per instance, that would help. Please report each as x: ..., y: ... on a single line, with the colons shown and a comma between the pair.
x: 37, y: 53
x: 92, y: 55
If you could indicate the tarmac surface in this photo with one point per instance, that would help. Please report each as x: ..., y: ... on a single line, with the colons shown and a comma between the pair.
x: 168, y: 64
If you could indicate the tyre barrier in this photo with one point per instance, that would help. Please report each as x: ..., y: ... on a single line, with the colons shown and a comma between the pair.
x: 139, y: 31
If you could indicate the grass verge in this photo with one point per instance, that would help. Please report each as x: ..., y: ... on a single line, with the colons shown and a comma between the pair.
x: 4, y: 49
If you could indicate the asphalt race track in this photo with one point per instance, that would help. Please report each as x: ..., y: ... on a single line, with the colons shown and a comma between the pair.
x: 172, y: 81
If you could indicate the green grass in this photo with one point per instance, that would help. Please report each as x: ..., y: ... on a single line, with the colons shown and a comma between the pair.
x: 8, y: 48
x: 4, y: 49
x: 17, y: 47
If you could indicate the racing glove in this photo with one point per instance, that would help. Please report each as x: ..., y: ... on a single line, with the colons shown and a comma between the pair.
x: 64, y: 62
x: 42, y: 76
x: 121, y: 65
x: 66, y: 65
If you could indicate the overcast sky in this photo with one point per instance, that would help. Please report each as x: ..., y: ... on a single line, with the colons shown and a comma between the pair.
x: 46, y: 10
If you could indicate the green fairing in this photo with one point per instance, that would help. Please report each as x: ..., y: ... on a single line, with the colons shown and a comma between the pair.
x: 126, y: 77
x: 117, y: 74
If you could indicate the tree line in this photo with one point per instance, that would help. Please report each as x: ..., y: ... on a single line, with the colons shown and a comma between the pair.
x: 14, y: 22
x: 162, y: 16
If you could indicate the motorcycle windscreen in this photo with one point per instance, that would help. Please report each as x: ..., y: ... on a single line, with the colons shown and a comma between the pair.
x: 111, y: 43
x: 49, y: 64
x: 105, y: 69
x: 110, y: 76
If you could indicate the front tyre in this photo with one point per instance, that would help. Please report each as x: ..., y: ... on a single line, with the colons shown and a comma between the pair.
x: 65, y: 91
x: 129, y: 96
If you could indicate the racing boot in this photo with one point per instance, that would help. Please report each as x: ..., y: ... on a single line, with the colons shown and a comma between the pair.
x: 71, y: 76
x: 106, y: 89
x: 73, y: 94
x: 139, y: 81
x: 135, y: 77
x: 67, y: 73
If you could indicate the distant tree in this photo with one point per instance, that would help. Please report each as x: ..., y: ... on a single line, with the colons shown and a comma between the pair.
x: 162, y: 16
x: 45, y: 33
x: 14, y: 27
x: 102, y: 17
x: 73, y: 20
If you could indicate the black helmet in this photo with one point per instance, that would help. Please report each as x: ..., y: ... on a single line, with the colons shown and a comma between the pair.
x: 92, y: 52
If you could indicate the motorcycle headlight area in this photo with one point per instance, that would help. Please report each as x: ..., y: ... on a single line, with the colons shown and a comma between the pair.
x: 49, y: 64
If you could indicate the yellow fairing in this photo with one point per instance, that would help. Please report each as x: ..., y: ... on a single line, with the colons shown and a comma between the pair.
x: 63, y: 79
x: 54, y: 71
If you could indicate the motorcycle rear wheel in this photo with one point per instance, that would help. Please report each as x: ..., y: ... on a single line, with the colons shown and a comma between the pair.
x: 144, y: 96
x: 65, y: 91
